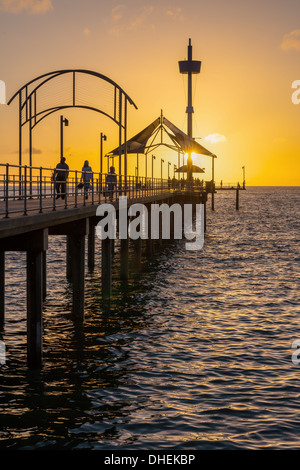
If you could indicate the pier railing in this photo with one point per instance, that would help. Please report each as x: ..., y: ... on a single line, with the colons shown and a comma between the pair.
x: 24, y: 189
x: 230, y: 185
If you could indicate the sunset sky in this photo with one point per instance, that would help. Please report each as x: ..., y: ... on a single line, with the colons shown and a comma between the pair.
x: 250, y: 53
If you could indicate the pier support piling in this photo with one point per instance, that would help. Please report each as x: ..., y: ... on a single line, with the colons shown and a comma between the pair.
x: 138, y: 253
x: 91, y: 248
x: 2, y: 288
x: 44, y: 264
x: 124, y: 254
x: 34, y: 308
x: 237, y: 200
x: 149, y: 242
x: 69, y: 259
x: 76, y: 232
x: 106, y: 267
x: 78, y: 262
x: 112, y: 244
x: 35, y: 243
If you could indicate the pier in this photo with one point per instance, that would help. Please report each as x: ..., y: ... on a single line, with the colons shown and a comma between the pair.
x: 27, y: 221
x: 35, y: 204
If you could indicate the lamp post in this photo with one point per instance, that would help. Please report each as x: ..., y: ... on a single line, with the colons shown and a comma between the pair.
x: 244, y: 177
x: 169, y: 164
x: 108, y: 157
x: 102, y: 138
x: 161, y: 170
x: 190, y: 67
x: 62, y: 123
x: 153, y: 158
x: 213, y: 183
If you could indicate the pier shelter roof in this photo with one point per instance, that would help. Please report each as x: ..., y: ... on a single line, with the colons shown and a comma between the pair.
x: 152, y: 137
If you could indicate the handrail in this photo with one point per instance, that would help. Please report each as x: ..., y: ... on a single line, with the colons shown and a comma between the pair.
x: 25, y: 189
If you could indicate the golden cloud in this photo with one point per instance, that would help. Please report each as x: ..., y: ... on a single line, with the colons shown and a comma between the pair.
x: 29, y: 6
x: 291, y: 41
x: 215, y: 138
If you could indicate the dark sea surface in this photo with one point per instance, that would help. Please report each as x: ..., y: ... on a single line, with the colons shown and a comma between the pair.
x: 194, y: 353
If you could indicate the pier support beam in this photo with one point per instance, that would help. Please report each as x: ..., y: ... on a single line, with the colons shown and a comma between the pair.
x: 2, y: 288
x: 106, y: 267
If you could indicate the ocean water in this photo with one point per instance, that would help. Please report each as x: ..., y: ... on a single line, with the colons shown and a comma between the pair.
x: 193, y: 353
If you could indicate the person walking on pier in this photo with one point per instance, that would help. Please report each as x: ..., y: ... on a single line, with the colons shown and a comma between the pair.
x: 111, y: 181
x: 61, y: 173
x: 87, y: 178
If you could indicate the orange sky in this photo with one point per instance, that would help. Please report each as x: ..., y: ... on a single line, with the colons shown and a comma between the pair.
x: 250, y: 55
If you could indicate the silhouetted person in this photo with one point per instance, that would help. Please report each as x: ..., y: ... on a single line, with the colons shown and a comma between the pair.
x: 61, y: 175
x: 86, y: 178
x: 111, y: 181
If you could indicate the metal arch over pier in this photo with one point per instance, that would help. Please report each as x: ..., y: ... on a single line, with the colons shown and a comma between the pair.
x: 33, y: 108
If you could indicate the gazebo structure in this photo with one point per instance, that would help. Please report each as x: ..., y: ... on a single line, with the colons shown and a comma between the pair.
x: 154, y: 136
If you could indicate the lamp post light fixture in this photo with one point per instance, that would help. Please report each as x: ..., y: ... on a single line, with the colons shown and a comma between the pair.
x: 161, y: 169
x: 63, y: 121
x: 102, y: 138
x: 153, y: 158
x: 169, y: 164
